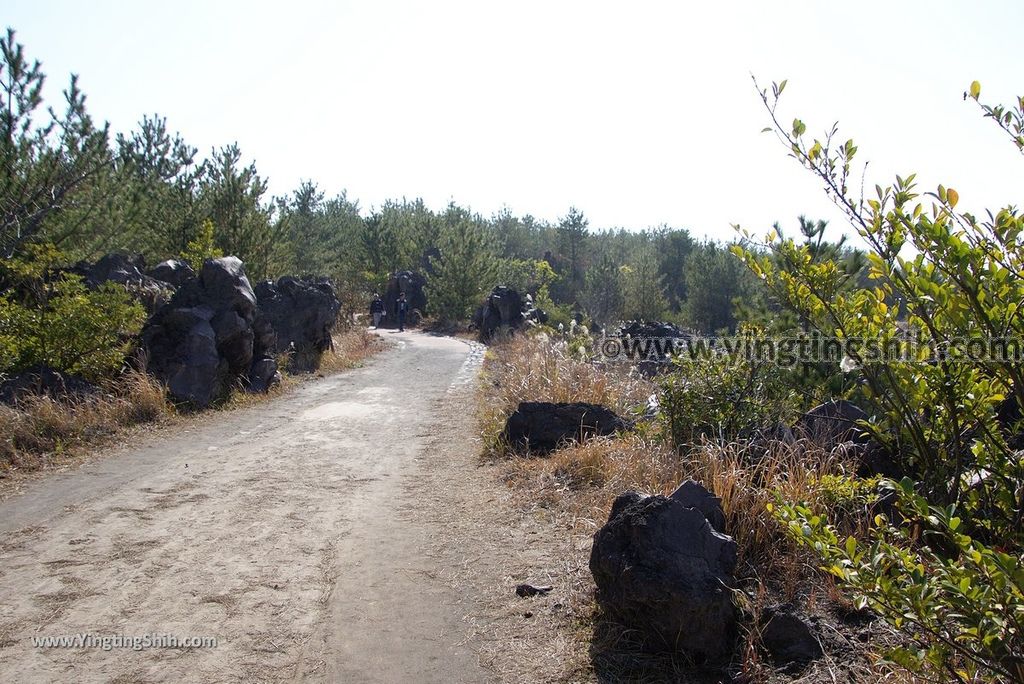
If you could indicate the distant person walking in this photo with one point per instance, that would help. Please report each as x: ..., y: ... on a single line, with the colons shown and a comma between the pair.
x: 377, y: 310
x: 401, y: 308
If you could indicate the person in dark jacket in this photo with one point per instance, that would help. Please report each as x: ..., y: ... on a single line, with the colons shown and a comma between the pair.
x: 401, y: 308
x: 377, y: 310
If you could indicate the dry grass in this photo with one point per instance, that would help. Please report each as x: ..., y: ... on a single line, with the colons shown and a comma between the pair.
x: 532, y: 368
x: 576, y: 485
x: 352, y: 346
x: 587, y: 477
x: 748, y: 477
x: 39, y: 429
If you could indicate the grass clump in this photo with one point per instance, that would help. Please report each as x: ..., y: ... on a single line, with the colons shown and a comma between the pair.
x: 539, y: 368
x: 39, y: 428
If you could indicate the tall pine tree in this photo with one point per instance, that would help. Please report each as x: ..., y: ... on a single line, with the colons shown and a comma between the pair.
x: 465, y: 269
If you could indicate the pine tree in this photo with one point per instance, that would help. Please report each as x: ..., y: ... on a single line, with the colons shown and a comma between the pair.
x: 715, y: 280
x: 572, y: 234
x: 644, y: 286
x: 465, y: 269
x: 231, y: 195
x: 43, y: 164
x: 604, y: 292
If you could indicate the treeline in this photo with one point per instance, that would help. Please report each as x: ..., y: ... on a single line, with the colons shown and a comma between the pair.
x: 67, y: 181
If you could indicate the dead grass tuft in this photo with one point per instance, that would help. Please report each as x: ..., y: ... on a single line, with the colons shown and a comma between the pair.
x: 532, y: 368
x: 748, y: 476
x: 39, y: 428
x: 352, y: 346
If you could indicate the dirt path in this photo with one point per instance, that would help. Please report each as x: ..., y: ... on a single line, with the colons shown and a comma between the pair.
x: 307, y: 535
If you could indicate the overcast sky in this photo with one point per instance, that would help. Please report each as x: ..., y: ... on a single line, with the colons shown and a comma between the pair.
x: 637, y: 113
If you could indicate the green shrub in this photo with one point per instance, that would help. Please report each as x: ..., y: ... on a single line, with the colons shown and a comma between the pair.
x: 201, y: 247
x: 960, y: 601
x: 60, y: 323
x: 846, y: 493
x: 724, y: 396
x: 947, y: 569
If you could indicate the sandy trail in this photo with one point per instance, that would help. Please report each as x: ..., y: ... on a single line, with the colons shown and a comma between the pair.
x: 296, y: 532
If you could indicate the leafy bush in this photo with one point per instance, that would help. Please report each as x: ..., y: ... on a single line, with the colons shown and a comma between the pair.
x: 946, y: 569
x: 960, y: 601
x: 846, y: 494
x: 722, y: 396
x: 527, y: 276
x: 59, y: 322
x: 201, y: 247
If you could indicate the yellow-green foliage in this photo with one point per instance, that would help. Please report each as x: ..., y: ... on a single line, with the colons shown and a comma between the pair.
x: 201, y: 247
x: 948, y: 570
x: 845, y: 493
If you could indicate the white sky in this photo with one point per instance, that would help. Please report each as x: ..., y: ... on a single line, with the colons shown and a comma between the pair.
x: 637, y: 113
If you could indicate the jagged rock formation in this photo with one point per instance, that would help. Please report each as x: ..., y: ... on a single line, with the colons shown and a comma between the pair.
x: 663, y: 570
x: 201, y: 343
x: 172, y: 271
x: 296, y: 316
x: 412, y: 284
x: 504, y: 309
x: 129, y: 271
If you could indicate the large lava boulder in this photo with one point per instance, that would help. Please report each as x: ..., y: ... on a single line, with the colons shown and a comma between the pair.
x: 832, y: 423
x: 201, y: 344
x: 129, y: 271
x: 692, y: 494
x: 650, y: 344
x: 502, y: 310
x: 174, y: 272
x: 663, y: 570
x: 412, y: 284
x: 182, y: 353
x: 835, y: 424
x: 637, y: 329
x: 301, y: 314
x: 541, y: 426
